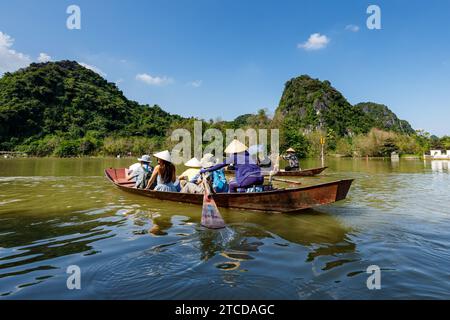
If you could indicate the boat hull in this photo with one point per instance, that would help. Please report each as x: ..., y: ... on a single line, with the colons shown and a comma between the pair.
x: 281, y: 200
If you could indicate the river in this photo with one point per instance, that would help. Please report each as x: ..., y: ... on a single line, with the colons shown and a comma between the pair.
x: 55, y: 213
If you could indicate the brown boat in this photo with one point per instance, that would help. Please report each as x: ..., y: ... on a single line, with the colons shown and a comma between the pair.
x: 279, y: 200
x: 301, y: 173
x: 298, y: 173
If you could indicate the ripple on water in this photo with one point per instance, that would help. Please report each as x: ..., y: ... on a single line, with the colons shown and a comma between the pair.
x: 134, y: 274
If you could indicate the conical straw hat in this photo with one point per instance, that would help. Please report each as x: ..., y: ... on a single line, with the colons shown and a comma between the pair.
x: 208, y: 160
x: 290, y: 150
x: 163, y: 155
x: 193, y: 163
x: 235, y: 147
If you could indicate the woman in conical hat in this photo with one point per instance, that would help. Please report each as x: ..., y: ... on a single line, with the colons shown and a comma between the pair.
x: 194, y: 165
x: 195, y: 184
x: 164, y: 173
x: 247, y: 172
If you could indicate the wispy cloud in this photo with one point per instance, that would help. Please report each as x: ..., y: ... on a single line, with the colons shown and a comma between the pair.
x: 43, y: 57
x: 316, y: 41
x: 11, y: 60
x: 352, y: 28
x: 195, y: 83
x: 154, y: 80
x: 93, y: 68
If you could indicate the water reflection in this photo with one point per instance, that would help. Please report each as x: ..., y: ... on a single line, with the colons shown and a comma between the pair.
x: 440, y: 165
x: 150, y: 239
x: 57, y: 213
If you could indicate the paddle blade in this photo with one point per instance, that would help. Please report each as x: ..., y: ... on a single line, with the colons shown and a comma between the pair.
x: 211, y: 217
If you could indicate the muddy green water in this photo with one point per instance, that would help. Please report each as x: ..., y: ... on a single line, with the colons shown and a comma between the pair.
x: 55, y: 213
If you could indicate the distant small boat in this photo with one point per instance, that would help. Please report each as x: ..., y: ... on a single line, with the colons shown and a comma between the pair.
x: 279, y: 200
x: 298, y: 173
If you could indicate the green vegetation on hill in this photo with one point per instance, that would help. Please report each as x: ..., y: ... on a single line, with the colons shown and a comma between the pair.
x: 63, y: 109
x: 381, y: 117
x: 310, y: 103
x: 311, y: 109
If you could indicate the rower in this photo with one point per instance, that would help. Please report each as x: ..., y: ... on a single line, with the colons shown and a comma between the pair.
x: 291, y: 156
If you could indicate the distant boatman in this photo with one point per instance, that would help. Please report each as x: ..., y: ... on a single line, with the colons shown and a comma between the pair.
x: 192, y: 173
x: 293, y: 160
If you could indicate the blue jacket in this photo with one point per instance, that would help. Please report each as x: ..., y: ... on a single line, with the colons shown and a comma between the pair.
x: 244, y: 164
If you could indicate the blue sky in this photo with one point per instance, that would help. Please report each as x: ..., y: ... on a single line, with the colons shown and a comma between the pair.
x: 211, y: 58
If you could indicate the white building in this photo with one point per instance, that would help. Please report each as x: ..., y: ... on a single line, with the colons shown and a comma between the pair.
x: 437, y: 154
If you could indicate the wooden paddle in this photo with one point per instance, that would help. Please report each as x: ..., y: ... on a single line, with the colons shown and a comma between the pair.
x: 211, y: 217
x: 286, y: 181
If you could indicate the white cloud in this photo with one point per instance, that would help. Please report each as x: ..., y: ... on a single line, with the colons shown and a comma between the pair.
x: 93, y: 68
x: 154, y: 81
x: 10, y: 60
x: 316, y: 41
x: 43, y: 57
x: 195, y: 83
x: 352, y: 28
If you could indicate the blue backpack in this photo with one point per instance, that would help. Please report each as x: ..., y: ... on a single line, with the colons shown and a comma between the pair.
x: 219, y: 181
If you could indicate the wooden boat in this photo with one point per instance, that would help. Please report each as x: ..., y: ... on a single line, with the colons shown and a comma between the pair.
x: 300, y: 173
x: 280, y: 200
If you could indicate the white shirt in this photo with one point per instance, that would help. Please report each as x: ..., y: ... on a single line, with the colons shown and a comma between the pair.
x: 133, y: 167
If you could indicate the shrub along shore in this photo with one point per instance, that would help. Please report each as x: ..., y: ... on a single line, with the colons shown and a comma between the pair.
x: 62, y: 109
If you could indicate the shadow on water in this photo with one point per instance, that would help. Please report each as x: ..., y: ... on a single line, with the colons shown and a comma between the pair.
x: 186, y: 260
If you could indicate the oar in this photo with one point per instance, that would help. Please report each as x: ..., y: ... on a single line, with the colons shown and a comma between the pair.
x: 286, y: 181
x: 211, y: 217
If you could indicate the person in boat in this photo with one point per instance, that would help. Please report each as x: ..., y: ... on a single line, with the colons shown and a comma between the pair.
x: 129, y: 172
x: 219, y: 182
x: 195, y: 185
x: 164, y: 173
x: 191, y: 174
x: 292, y: 158
x: 140, y: 172
x: 247, y: 171
x: 217, y: 179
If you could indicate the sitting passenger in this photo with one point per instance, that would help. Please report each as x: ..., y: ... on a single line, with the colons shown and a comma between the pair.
x: 247, y: 172
x: 189, y: 174
x: 164, y: 173
x: 141, y: 174
x: 195, y: 185
x: 219, y: 181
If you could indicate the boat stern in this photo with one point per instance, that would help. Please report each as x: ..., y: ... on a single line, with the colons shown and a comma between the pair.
x: 343, y: 188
